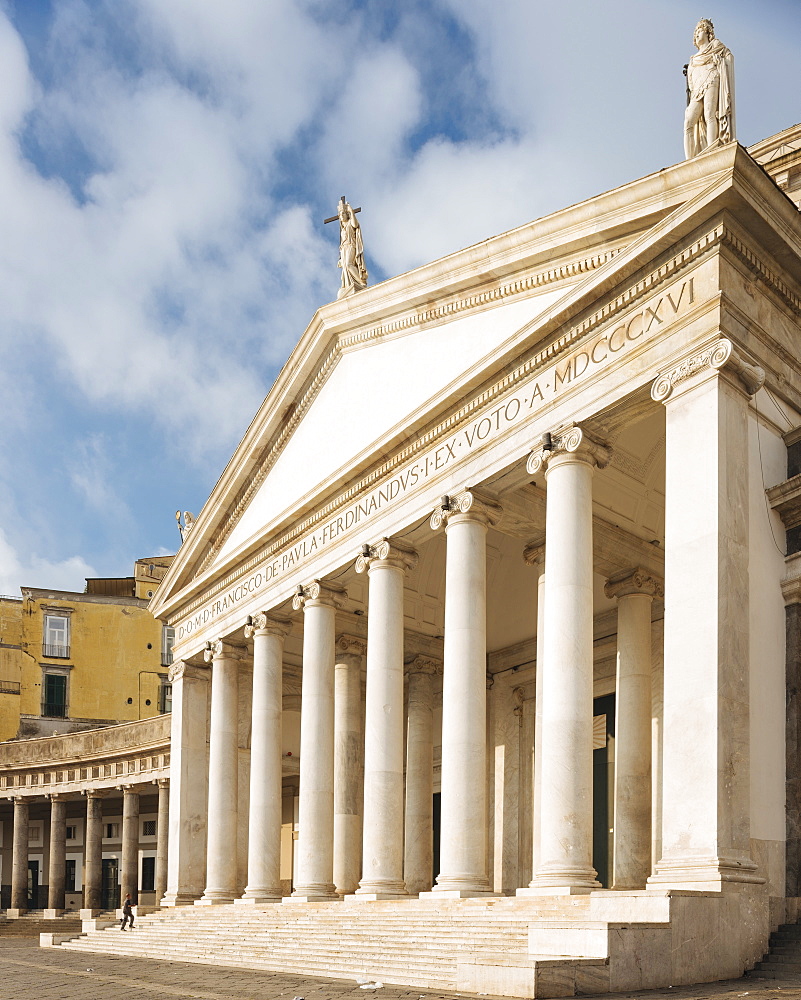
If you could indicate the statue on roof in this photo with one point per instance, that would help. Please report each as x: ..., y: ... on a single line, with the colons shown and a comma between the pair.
x: 709, y: 118
x: 351, y: 250
x: 189, y: 521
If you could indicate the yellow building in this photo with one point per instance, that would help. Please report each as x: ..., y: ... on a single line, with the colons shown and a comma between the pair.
x: 73, y: 661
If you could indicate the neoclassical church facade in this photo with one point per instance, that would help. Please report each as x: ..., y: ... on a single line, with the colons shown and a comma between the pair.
x: 494, y: 611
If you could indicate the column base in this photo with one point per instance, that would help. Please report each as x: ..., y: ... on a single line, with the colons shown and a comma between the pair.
x: 558, y: 890
x: 179, y: 899
x: 51, y: 913
x: 258, y: 898
x: 214, y: 900
x: 718, y: 875
x: 15, y: 912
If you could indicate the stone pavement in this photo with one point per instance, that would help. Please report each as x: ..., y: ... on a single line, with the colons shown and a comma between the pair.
x: 30, y: 973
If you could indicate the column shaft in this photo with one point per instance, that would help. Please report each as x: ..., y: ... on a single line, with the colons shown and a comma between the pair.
x: 19, y: 863
x: 189, y: 768
x: 463, y: 837
x: 129, y: 879
x: 566, y: 688
x: 315, y: 847
x: 264, y: 836
x: 162, y: 839
x: 419, y: 840
x: 57, y: 862
x: 93, y: 853
x: 348, y: 764
x: 221, y: 855
x: 632, y: 809
x: 382, y: 853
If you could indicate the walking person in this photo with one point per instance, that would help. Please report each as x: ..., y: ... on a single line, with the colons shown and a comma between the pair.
x: 127, y: 913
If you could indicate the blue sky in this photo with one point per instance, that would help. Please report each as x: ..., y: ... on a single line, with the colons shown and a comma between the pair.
x: 165, y: 166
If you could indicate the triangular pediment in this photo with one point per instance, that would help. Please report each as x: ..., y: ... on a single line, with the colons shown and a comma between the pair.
x: 370, y: 371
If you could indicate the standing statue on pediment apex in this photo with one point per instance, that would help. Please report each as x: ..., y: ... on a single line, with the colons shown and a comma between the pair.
x: 709, y: 118
x: 351, y: 250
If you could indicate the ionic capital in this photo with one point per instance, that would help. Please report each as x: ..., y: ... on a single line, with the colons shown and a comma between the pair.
x: 57, y: 796
x: 264, y: 624
x: 391, y: 551
x: 220, y: 649
x: 572, y: 440
x: 422, y: 664
x: 350, y: 645
x: 95, y: 793
x: 475, y: 504
x: 319, y: 592
x: 714, y: 357
x: 534, y: 553
x: 162, y: 782
x: 634, y: 581
x: 182, y: 670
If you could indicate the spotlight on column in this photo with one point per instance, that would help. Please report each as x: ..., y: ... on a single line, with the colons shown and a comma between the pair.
x: 208, y: 644
x: 547, y: 441
x: 445, y: 503
x: 249, y: 620
x: 365, y: 551
x: 299, y: 590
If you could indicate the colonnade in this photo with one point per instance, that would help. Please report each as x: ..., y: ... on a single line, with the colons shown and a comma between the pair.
x: 393, y: 819
x: 92, y: 848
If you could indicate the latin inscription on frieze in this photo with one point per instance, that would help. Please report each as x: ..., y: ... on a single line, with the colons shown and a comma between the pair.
x: 541, y: 388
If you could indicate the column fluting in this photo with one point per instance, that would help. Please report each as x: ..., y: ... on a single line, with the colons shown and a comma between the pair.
x: 463, y: 836
x: 314, y: 878
x: 221, y: 857
x: 386, y: 564
x: 264, y: 823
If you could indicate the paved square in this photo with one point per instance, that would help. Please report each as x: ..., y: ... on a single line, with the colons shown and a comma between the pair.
x: 31, y: 973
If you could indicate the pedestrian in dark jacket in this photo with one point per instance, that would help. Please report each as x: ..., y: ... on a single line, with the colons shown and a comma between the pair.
x: 127, y: 913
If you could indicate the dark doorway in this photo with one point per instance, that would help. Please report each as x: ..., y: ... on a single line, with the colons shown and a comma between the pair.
x: 33, y: 885
x: 109, y: 886
x: 603, y: 792
x: 437, y: 822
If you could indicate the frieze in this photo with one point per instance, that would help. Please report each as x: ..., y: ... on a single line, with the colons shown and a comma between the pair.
x: 475, y: 426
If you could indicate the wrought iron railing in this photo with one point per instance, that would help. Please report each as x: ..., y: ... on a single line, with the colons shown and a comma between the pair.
x: 53, y: 711
x: 9, y: 687
x: 55, y: 650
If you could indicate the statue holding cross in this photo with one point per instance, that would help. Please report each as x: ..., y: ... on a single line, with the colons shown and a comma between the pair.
x: 351, y: 249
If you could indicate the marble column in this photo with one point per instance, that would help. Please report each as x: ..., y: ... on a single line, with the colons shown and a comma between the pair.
x: 348, y: 763
x: 635, y: 591
x: 129, y: 876
x: 162, y: 838
x: 221, y: 825
x: 189, y: 766
x: 706, y: 751
x: 534, y: 555
x: 19, y: 859
x: 93, y: 854
x: 418, y: 864
x: 463, y: 835
x: 566, y: 693
x: 314, y: 866
x: 386, y: 564
x: 264, y: 825
x: 57, y: 861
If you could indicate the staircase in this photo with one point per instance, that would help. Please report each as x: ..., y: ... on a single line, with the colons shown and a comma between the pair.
x: 468, y: 944
x: 32, y: 925
x: 784, y: 956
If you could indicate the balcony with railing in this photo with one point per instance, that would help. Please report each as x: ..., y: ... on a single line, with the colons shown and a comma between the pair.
x: 55, y: 651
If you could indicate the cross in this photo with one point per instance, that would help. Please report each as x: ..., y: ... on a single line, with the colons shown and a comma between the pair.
x: 334, y: 218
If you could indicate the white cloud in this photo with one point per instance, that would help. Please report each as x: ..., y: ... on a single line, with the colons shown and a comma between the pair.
x: 35, y: 571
